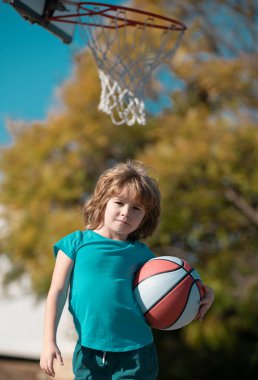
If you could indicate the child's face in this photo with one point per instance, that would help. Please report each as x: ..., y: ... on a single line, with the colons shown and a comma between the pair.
x: 123, y: 215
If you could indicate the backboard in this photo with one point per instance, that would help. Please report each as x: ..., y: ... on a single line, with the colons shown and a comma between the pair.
x: 34, y: 11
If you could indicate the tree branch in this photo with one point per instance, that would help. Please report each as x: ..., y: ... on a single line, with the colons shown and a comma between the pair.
x: 241, y: 204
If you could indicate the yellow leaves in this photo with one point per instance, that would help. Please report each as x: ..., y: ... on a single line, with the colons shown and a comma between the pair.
x: 221, y: 82
x: 82, y: 86
x: 189, y: 141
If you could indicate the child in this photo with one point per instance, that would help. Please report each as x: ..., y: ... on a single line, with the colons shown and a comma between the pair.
x: 98, y: 265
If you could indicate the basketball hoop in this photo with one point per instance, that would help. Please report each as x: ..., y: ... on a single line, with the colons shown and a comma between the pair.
x: 128, y: 45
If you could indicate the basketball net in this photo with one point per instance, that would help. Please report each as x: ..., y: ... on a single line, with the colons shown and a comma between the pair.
x: 128, y: 45
x: 121, y: 104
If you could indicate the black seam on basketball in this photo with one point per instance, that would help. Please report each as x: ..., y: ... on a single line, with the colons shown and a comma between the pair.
x: 171, y: 270
x: 165, y: 328
x: 180, y: 265
x: 164, y: 296
x: 160, y: 258
x: 199, y: 290
x: 156, y: 274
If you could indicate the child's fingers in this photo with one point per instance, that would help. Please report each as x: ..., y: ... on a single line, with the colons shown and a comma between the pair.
x: 59, y: 358
x: 205, y: 303
x: 48, y: 367
x: 201, y: 313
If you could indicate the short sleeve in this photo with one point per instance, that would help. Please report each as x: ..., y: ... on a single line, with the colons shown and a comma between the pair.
x: 146, y: 252
x: 69, y: 244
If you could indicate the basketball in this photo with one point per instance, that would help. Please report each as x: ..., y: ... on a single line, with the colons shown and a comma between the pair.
x: 168, y: 291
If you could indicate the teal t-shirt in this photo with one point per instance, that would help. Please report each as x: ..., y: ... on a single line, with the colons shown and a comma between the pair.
x: 101, y: 299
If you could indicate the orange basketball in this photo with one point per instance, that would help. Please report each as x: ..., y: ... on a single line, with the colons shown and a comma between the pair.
x: 168, y: 291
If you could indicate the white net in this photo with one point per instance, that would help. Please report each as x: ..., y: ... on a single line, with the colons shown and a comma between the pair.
x: 121, y: 104
x: 127, y: 56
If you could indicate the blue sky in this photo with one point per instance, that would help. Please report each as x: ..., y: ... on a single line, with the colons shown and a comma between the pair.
x: 33, y: 63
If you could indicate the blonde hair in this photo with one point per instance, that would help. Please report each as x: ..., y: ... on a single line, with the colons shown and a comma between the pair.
x: 133, y: 175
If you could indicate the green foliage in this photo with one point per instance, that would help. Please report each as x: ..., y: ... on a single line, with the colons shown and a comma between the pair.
x: 203, y: 152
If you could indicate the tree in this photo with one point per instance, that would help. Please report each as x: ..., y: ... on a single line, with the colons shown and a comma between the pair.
x: 202, y: 150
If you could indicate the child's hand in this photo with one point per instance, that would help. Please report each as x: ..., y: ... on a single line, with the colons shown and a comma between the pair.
x: 49, y: 353
x: 205, y: 302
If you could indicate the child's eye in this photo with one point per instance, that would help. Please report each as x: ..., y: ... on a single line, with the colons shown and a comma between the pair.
x: 119, y: 203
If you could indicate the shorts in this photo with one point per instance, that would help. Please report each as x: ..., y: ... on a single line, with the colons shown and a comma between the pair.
x: 140, y: 364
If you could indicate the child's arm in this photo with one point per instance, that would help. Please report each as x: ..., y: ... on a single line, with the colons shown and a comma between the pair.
x: 205, y: 302
x: 54, y: 306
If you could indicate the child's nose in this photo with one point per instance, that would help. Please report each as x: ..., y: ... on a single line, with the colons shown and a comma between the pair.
x: 125, y: 210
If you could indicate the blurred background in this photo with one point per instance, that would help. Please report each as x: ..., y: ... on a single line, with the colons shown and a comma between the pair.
x: 201, y: 144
